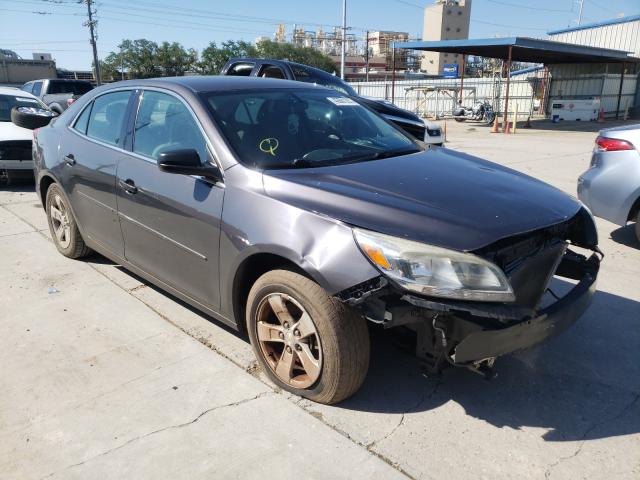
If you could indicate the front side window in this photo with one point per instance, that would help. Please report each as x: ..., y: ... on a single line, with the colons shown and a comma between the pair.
x: 7, y: 102
x: 107, y: 117
x: 292, y: 128
x: 27, y: 87
x: 164, y: 123
x: 271, y: 71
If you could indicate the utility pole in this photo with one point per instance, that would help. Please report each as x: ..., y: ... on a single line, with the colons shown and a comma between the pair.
x: 91, y: 23
x: 580, y: 12
x: 344, y: 38
x: 366, y: 56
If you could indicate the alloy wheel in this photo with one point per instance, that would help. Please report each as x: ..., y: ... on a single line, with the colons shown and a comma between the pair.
x: 289, y: 340
x: 60, y: 221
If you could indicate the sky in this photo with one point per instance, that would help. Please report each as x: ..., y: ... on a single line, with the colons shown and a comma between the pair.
x: 56, y: 26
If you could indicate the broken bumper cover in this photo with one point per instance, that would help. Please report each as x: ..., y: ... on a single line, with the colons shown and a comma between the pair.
x: 546, y: 323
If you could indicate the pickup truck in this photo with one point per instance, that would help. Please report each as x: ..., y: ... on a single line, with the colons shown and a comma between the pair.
x: 57, y: 93
x: 423, y: 130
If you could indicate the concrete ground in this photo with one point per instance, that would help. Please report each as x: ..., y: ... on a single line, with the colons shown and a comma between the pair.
x: 103, y: 376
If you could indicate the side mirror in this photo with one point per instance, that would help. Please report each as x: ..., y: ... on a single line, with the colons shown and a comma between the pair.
x: 31, y: 117
x: 187, y: 162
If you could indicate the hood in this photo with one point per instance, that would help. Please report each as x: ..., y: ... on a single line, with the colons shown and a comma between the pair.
x: 10, y: 131
x: 438, y: 196
x: 387, y: 108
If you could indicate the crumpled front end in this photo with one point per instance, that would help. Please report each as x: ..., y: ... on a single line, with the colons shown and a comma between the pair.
x: 471, y: 333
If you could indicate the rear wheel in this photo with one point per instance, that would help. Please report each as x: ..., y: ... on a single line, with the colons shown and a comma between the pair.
x: 638, y: 226
x: 63, y: 226
x: 308, y: 343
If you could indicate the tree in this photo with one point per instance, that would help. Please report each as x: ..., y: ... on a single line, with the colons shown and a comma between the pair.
x: 213, y: 57
x: 146, y: 59
x: 294, y: 53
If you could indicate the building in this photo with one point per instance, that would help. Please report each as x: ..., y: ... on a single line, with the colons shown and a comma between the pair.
x: 15, y: 70
x: 445, y: 20
x: 617, y: 34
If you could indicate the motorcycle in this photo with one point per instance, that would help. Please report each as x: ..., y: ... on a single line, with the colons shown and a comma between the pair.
x: 482, y: 111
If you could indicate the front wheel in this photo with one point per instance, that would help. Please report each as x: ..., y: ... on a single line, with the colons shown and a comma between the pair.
x: 638, y: 226
x: 307, y: 342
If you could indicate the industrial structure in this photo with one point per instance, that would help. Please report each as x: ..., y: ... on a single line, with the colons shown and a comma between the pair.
x: 15, y: 70
x: 445, y: 20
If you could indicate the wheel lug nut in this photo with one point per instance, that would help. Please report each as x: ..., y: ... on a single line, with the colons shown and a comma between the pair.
x: 281, y: 335
x: 298, y: 347
x: 296, y: 332
x: 288, y: 349
x: 286, y: 325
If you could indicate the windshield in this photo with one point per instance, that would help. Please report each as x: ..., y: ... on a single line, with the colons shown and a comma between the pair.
x: 292, y: 128
x: 7, y: 102
x: 326, y: 80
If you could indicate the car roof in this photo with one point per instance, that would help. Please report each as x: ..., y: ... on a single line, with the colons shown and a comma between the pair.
x: 16, y: 92
x: 214, y: 83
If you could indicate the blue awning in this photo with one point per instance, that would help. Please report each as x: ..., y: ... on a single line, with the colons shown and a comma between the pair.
x: 523, y: 49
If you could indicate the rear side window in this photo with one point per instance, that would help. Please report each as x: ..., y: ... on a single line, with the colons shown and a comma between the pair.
x: 107, y: 117
x: 83, y: 120
x: 74, y: 88
x: 164, y: 123
x: 37, y: 88
x: 240, y: 69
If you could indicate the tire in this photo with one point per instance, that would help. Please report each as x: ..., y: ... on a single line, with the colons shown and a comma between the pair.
x: 339, y: 344
x: 62, y: 225
x: 56, y: 107
x: 459, y: 119
x: 489, y: 119
x: 638, y: 226
x: 29, y: 119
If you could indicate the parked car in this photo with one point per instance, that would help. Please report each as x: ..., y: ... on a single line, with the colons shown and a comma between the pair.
x: 58, y: 93
x: 611, y: 185
x: 15, y: 141
x: 293, y: 213
x: 424, y: 130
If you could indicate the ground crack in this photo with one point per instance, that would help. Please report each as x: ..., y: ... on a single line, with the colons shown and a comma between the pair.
x: 170, y: 427
x: 426, y: 395
x: 583, y: 439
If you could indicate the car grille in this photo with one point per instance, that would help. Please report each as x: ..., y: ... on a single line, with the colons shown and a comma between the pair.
x: 15, y: 150
x: 529, y: 260
x: 414, y: 130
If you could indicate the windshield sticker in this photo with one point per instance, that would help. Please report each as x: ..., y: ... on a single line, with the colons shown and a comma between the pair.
x: 23, y: 99
x: 342, y: 101
x: 269, y: 145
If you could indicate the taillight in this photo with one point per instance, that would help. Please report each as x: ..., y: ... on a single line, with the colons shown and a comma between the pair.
x: 35, y: 132
x: 70, y: 101
x: 612, y: 144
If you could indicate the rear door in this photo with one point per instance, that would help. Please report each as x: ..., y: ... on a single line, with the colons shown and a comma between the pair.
x: 170, y: 222
x: 91, y: 149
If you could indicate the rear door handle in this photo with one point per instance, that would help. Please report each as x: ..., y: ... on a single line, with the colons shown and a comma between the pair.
x: 128, y: 186
x: 70, y: 159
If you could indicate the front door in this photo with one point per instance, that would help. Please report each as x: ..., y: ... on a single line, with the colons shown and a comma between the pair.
x: 170, y: 222
x: 91, y: 151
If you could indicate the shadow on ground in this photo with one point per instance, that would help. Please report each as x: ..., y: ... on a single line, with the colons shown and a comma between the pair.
x: 575, y: 126
x: 626, y: 236
x: 576, y: 386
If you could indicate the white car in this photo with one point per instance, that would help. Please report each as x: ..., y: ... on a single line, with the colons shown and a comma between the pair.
x: 15, y: 142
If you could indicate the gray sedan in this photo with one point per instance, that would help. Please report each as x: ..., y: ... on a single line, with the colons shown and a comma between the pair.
x: 611, y: 186
x: 297, y: 215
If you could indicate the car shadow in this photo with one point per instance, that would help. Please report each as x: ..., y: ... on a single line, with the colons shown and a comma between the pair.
x: 574, y: 386
x: 626, y: 236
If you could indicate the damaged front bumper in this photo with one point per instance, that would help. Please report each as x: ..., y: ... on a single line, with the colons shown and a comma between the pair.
x: 467, y: 334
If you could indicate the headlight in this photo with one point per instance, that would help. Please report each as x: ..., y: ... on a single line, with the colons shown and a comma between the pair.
x: 435, y: 271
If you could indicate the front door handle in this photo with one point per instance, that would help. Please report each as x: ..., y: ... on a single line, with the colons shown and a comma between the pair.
x: 128, y: 186
x: 70, y: 159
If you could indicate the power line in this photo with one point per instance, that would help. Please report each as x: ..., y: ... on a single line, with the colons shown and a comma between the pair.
x: 527, y: 7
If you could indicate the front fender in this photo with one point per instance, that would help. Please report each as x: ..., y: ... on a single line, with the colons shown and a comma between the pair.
x: 254, y: 223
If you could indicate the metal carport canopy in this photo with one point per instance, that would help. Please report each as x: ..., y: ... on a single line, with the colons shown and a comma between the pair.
x: 523, y: 49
